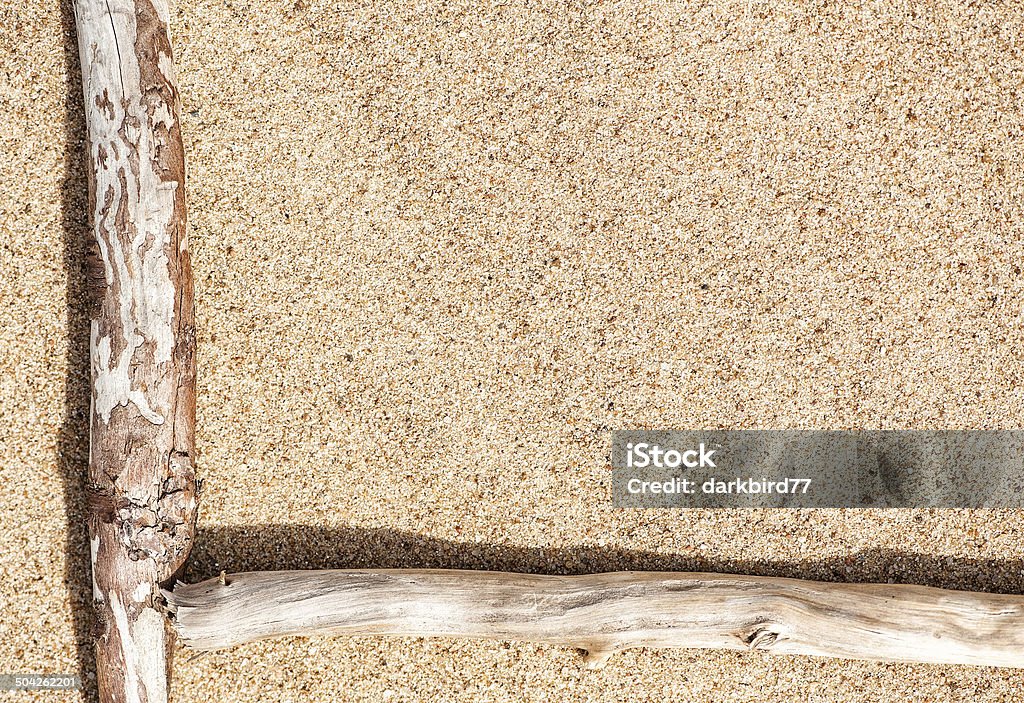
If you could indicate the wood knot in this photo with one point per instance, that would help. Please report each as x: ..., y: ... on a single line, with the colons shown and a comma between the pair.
x: 762, y: 637
x: 100, y: 503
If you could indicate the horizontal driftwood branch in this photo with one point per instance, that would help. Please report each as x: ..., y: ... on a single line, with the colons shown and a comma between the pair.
x: 606, y: 613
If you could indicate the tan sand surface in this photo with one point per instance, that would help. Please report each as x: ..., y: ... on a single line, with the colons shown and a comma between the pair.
x: 442, y: 249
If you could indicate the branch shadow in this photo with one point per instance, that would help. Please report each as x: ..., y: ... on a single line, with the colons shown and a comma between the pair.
x: 280, y: 547
x: 73, y: 436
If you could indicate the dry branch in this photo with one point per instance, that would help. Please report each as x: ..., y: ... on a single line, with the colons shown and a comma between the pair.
x: 142, y: 500
x: 606, y: 613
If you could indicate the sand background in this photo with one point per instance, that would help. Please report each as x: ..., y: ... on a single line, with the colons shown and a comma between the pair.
x: 443, y: 249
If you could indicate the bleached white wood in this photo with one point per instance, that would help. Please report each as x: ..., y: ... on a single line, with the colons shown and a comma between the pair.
x: 606, y: 613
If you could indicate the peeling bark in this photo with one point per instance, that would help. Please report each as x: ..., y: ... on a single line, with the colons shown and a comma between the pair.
x: 607, y: 613
x: 142, y: 492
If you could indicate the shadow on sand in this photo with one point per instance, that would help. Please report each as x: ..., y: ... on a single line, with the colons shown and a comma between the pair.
x: 73, y: 437
x: 277, y: 547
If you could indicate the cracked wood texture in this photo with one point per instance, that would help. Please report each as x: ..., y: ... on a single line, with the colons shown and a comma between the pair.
x: 142, y: 488
x: 606, y: 613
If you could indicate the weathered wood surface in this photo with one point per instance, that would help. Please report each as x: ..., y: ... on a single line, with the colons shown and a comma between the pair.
x: 606, y: 613
x: 142, y: 484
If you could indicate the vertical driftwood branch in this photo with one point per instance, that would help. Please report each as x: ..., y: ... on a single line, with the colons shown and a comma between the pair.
x: 142, y: 484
